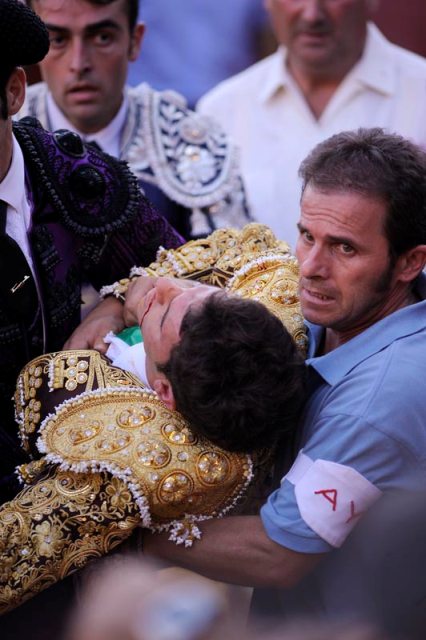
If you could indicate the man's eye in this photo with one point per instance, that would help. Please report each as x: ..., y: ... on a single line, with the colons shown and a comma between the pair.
x: 307, y: 236
x: 103, y: 38
x: 57, y: 41
x: 347, y: 249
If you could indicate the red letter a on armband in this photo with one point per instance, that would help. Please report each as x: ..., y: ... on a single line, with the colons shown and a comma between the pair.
x: 330, y: 495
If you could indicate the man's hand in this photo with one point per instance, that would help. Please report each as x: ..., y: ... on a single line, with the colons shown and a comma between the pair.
x: 135, y: 294
x: 107, y: 316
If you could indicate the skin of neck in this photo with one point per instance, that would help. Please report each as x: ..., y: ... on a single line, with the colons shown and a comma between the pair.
x: 318, y: 83
x: 92, y: 126
x: 401, y: 297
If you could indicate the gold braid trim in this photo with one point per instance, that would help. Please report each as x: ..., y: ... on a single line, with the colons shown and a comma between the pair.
x: 198, y: 259
x: 95, y: 418
x: 52, y: 378
x: 272, y: 278
x: 251, y: 263
x: 173, y: 475
x: 30, y: 471
x: 116, y: 457
x: 56, y: 527
x: 87, y: 415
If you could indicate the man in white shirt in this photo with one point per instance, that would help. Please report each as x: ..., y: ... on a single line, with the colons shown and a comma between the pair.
x: 333, y: 71
x: 184, y: 164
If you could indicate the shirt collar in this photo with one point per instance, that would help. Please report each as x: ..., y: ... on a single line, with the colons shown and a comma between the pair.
x: 277, y: 76
x: 12, y: 187
x: 108, y: 138
x: 372, y: 70
x: 333, y: 366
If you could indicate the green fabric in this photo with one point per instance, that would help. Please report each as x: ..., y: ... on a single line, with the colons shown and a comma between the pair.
x: 131, y: 335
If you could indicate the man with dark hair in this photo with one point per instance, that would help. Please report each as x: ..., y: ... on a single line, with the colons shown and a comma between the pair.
x: 227, y: 364
x: 68, y: 215
x: 236, y: 374
x: 184, y: 163
x: 361, y: 251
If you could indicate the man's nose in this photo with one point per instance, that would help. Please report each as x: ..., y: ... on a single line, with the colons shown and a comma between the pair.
x: 313, y: 10
x: 79, y: 56
x: 312, y: 263
x: 167, y: 289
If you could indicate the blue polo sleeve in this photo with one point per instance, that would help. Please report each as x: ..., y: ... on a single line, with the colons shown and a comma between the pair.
x: 352, y: 443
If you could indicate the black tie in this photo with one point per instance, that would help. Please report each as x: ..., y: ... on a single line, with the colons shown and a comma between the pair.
x: 18, y: 293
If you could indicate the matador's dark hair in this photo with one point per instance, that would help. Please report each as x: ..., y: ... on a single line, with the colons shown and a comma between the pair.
x: 236, y: 374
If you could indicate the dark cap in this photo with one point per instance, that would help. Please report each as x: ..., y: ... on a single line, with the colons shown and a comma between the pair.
x: 24, y: 38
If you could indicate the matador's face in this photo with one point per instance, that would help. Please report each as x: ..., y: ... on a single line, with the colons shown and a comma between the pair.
x: 161, y: 315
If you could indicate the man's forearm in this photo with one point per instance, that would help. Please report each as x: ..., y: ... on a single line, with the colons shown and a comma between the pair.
x: 236, y: 550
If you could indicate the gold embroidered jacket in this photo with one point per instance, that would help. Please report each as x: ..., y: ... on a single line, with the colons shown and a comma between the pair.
x: 114, y: 457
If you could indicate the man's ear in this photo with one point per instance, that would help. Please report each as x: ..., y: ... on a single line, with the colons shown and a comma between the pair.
x: 163, y: 389
x: 136, y: 41
x: 411, y: 263
x: 15, y: 90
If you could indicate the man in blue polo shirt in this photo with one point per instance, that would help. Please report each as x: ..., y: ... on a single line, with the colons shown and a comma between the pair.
x: 362, y: 250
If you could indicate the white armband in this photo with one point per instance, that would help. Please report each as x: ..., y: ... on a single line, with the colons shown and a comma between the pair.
x: 331, y: 497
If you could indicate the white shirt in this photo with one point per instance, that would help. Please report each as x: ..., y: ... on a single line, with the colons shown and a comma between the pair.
x: 107, y: 138
x: 131, y: 358
x: 266, y: 114
x: 13, y: 192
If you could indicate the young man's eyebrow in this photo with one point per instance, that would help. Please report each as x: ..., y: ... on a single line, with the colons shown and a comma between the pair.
x: 102, y: 24
x: 90, y: 28
x: 165, y: 315
x: 56, y: 28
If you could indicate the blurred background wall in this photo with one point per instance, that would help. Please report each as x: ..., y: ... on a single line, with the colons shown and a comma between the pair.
x: 404, y: 22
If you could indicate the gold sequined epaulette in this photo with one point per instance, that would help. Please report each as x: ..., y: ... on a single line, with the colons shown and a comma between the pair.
x: 89, y: 423
x: 212, y: 260
x: 272, y: 278
x: 50, y: 379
